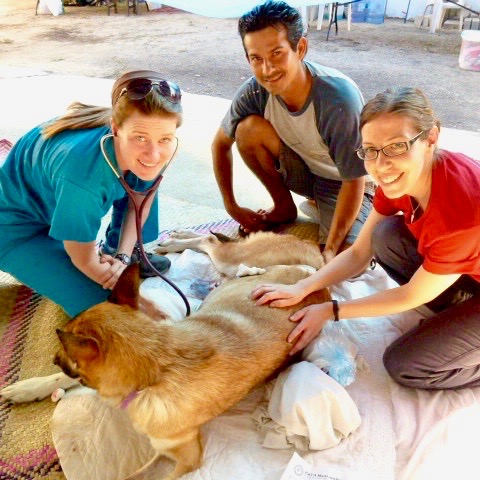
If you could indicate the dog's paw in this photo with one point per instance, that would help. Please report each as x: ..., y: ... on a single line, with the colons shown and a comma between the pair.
x: 163, y: 247
x: 37, y: 388
x: 308, y: 269
x: 244, y: 271
x: 29, y: 390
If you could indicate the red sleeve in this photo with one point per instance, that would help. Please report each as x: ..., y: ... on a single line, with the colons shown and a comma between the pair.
x: 457, y: 252
x: 386, y: 206
x: 449, y: 236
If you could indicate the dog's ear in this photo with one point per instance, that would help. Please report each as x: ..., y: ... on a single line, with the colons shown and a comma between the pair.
x: 223, y: 238
x: 126, y: 290
x: 79, y: 347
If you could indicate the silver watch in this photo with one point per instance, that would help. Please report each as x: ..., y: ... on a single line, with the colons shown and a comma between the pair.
x: 124, y: 258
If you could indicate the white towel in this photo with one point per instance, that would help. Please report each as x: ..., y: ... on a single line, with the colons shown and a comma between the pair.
x: 308, y: 403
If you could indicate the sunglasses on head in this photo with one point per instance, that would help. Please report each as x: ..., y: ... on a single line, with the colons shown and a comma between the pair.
x: 139, y: 88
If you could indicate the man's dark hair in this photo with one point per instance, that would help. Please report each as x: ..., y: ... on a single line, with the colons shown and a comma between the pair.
x: 273, y: 14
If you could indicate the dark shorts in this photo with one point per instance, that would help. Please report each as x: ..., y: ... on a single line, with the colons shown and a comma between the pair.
x: 300, y: 180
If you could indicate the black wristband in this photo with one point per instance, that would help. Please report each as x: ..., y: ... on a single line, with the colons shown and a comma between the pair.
x: 335, y: 311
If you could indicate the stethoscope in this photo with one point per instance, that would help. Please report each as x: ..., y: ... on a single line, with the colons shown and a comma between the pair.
x: 139, y: 209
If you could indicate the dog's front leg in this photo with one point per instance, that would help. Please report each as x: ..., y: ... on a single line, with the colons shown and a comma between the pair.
x: 161, y: 467
x: 185, y: 233
x: 37, y: 388
x: 189, y: 455
x: 175, y: 457
x: 174, y: 245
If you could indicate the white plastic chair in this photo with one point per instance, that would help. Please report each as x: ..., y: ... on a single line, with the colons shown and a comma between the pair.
x: 440, y: 7
x: 321, y: 13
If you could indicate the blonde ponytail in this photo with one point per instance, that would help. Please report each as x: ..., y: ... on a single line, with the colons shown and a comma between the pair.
x: 79, y: 116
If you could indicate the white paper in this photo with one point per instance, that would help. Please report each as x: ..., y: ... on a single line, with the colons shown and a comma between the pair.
x: 299, y: 469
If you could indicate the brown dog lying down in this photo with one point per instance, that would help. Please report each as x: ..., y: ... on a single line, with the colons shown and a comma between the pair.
x: 172, y: 377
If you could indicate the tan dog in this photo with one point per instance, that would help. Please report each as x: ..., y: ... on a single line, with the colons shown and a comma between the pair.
x: 172, y: 377
x: 261, y: 249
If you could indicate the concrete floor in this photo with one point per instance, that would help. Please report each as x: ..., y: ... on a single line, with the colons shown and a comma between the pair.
x: 189, y: 193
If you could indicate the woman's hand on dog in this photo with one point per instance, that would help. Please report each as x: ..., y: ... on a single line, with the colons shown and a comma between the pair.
x: 110, y: 276
x: 312, y: 319
x: 104, y: 270
x: 278, y: 295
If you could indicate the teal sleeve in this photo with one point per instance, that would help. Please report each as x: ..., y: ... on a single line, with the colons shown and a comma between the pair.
x: 77, y: 215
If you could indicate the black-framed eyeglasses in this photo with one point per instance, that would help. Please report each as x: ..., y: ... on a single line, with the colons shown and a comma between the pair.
x: 139, y: 88
x: 391, y: 150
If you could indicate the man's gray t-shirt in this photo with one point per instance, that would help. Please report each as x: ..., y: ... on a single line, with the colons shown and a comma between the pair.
x: 325, y: 132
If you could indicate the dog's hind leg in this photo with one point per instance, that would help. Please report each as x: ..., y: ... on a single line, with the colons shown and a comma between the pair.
x: 37, y: 388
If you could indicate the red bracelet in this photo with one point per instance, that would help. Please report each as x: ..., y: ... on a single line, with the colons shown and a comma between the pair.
x: 335, y: 310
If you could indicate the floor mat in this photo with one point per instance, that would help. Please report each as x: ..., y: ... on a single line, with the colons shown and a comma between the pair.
x: 27, y: 344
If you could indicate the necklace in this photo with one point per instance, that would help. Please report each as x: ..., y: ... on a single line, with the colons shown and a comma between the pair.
x: 412, y: 217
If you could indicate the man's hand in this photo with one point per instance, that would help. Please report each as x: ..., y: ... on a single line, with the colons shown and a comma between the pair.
x: 249, y: 220
x: 328, y: 255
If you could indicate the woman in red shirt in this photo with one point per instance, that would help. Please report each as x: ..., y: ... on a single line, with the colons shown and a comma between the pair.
x: 425, y: 232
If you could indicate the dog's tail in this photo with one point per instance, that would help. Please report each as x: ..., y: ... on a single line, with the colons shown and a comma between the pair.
x: 223, y: 238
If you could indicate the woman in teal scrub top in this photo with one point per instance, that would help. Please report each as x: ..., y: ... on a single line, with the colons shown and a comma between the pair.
x: 57, y: 184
